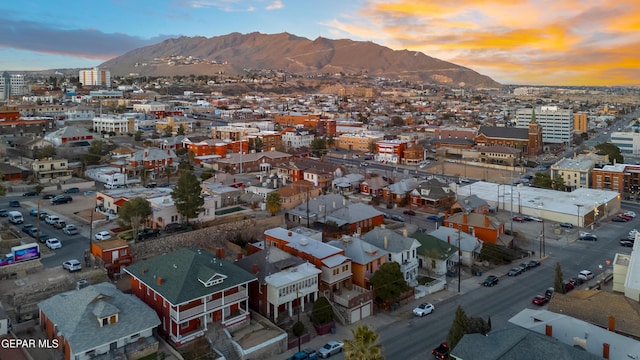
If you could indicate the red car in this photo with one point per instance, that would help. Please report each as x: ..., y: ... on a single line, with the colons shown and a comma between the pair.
x: 568, y: 287
x: 540, y: 300
x: 626, y: 217
x: 518, y: 219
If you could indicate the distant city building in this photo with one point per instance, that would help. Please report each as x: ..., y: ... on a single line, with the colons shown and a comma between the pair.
x: 627, y: 142
x: 12, y: 85
x: 557, y: 124
x: 113, y: 123
x: 95, y: 77
x: 580, y: 122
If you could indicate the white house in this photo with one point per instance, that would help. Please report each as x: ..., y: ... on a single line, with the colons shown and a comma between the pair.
x: 401, y: 248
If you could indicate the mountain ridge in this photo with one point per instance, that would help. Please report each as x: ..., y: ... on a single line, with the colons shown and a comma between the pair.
x: 233, y: 53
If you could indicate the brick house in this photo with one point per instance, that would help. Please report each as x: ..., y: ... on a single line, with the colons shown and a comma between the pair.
x: 433, y: 196
x: 483, y: 227
x: 114, y: 253
x: 190, y: 289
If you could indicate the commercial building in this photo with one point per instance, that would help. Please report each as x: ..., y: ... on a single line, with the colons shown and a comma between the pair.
x: 95, y: 77
x: 576, y: 173
x: 627, y: 142
x: 557, y: 124
x: 12, y: 85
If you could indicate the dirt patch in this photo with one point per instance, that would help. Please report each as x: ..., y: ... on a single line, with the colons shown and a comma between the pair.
x: 85, y: 215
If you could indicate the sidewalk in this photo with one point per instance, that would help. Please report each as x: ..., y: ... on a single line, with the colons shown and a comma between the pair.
x: 404, y: 312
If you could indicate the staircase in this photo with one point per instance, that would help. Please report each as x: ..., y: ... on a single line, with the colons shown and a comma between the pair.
x: 218, y: 340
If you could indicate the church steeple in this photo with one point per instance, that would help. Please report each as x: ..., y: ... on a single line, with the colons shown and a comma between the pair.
x: 533, y: 116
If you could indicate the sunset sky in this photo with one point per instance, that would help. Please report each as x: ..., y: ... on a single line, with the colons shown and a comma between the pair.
x: 536, y: 42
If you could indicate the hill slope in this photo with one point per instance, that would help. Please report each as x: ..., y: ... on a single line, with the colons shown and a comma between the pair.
x: 231, y: 54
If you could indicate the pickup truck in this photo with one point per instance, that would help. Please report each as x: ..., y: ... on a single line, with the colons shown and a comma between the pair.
x: 148, y: 234
x: 441, y: 352
x: 306, y: 354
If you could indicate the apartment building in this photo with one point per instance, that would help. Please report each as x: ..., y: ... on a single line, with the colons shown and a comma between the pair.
x: 95, y: 77
x: 292, y: 139
x: 113, y: 123
x: 390, y: 151
x: 359, y: 141
x: 576, y: 173
x: 557, y: 124
x: 49, y: 170
x: 12, y: 85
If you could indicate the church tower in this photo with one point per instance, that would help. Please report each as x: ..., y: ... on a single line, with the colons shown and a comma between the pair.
x: 535, y: 136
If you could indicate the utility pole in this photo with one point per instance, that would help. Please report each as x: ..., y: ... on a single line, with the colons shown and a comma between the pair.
x: 308, y: 226
x: 459, y: 258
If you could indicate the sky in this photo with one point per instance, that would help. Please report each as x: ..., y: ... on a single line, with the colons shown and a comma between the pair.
x: 525, y: 42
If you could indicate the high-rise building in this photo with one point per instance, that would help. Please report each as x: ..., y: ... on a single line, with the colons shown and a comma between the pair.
x: 580, y: 122
x: 12, y: 85
x: 95, y: 77
x: 557, y: 124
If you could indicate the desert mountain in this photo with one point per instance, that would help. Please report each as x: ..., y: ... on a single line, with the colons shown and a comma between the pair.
x: 234, y: 53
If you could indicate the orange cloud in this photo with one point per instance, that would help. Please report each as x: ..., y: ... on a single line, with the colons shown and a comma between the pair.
x: 565, y: 42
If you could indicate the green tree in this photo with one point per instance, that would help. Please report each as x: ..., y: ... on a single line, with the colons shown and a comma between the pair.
x: 186, y: 196
x: 96, y: 151
x: 558, y: 183
x: 541, y: 180
x: 133, y: 213
x: 558, y: 282
x: 389, y: 282
x: 207, y: 174
x: 363, y: 346
x: 322, y: 312
x: 613, y: 151
x: 181, y: 130
x: 274, y: 203
x: 45, y: 152
x: 137, y: 136
x: 372, y: 147
x: 318, y: 147
x: 397, y: 121
x: 298, y: 330
x: 168, y: 131
x: 458, y: 328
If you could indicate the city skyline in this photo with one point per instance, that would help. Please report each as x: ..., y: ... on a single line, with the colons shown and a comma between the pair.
x: 535, y: 42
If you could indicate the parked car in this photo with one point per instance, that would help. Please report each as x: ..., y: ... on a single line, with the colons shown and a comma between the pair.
x: 397, y: 218
x: 364, y: 164
x: 540, y: 300
x: 60, y: 224
x: 423, y: 309
x: 533, y: 218
x: 4, y: 212
x: 14, y: 203
x: 515, y: 271
x: 566, y: 225
x: 588, y: 237
x: 619, y: 219
x: 625, y: 217
x: 518, y: 219
x: 568, y: 286
x: 26, y: 228
x: 490, y: 280
x: 585, y: 275
x: 103, y: 235
x: 30, y: 193
x: 72, y: 265
x: 576, y: 281
x: 409, y: 212
x: 73, y: 190
x: 70, y: 229
x: 549, y: 292
x: 632, y: 234
x: 175, y: 227
x: 629, y: 213
x: 626, y: 243
x: 148, y: 234
x: 533, y: 263
x: 54, y: 243
x: 306, y: 354
x: 441, y: 352
x: 48, y: 196
x: 330, y: 348
x: 524, y: 266
x: 51, y: 219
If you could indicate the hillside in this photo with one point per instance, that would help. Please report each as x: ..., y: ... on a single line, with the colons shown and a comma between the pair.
x: 234, y: 53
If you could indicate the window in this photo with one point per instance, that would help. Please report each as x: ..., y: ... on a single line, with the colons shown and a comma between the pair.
x: 123, y: 252
x: 184, y: 325
x: 105, y: 321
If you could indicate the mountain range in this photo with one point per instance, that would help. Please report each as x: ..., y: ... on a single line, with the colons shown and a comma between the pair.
x: 235, y: 53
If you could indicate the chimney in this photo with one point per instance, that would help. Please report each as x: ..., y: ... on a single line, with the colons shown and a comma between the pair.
x: 486, y: 221
x: 405, y: 232
x: 168, y: 151
x: 605, y: 350
x: 220, y: 252
x: 464, y: 218
x: 548, y: 330
x: 159, y: 280
x: 255, y: 269
x: 386, y: 242
x: 612, y: 324
x: 289, y: 234
x: 448, y: 239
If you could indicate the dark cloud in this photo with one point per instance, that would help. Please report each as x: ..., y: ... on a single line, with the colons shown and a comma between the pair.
x: 39, y: 37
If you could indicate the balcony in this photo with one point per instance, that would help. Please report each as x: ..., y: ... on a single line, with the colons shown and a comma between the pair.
x: 408, y: 265
x: 353, y: 297
x: 184, y: 338
x: 207, y: 307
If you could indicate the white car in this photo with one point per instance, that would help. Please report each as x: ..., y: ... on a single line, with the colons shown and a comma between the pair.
x: 330, y: 348
x: 585, y: 275
x: 423, y: 309
x: 103, y: 235
x: 54, y: 243
x: 629, y: 213
x: 70, y: 229
x: 632, y: 234
x: 72, y: 265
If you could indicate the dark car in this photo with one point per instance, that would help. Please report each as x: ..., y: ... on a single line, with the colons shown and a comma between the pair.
x: 148, y: 234
x: 61, y: 199
x: 548, y: 293
x: 30, y: 193
x: 73, y: 190
x: 524, y: 266
x: 397, y: 218
x: 26, y: 228
x: 409, y: 212
x: 14, y: 203
x: 589, y: 237
x: 490, y: 280
x: 540, y: 300
x: 175, y: 227
x: 48, y: 196
x: 576, y: 281
x: 626, y: 243
x: 515, y: 271
x: 533, y: 263
x: 4, y: 212
x: 566, y: 225
x: 618, y: 219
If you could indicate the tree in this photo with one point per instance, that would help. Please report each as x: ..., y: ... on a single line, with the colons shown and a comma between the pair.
x: 613, y: 151
x: 168, y: 171
x: 322, y: 312
x: 96, y: 151
x: 458, y: 328
x: 134, y: 212
x: 255, y: 144
x: 372, y: 147
x: 186, y: 196
x: 181, y: 130
x: 45, y: 152
x: 168, y: 131
x: 558, y: 283
x: 207, y: 174
x: 298, y: 330
x: 318, y: 147
x: 558, y: 183
x: 389, y: 282
x: 137, y: 136
x: 541, y: 180
x: 363, y: 346
x: 274, y: 202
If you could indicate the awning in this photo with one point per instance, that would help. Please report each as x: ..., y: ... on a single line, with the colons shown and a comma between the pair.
x: 99, y: 198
